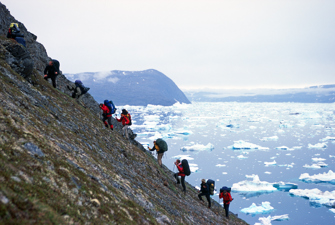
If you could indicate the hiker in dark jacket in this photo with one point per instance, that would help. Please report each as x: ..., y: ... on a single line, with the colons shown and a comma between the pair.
x: 107, y: 114
x: 226, y: 201
x: 51, y: 71
x: 126, y: 122
x: 160, y: 152
x: 205, y: 191
x: 181, y: 174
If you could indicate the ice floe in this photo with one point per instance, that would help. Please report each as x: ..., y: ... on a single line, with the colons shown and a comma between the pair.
x: 240, y: 145
x: 318, y: 145
x: 198, y: 147
x: 327, y: 139
x: 242, y: 157
x: 315, y: 195
x: 267, y: 220
x: 183, y: 157
x: 332, y: 210
x: 253, y: 186
x: 262, y: 209
x: 273, y: 138
x: 273, y: 163
x: 317, y: 178
x: 318, y: 165
x: 220, y: 165
x: 193, y: 167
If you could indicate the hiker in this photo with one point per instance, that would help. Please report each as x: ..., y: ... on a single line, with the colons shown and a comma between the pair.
x: 79, y: 89
x: 226, y: 200
x: 205, y: 191
x: 107, y: 114
x: 126, y: 122
x: 51, y: 71
x: 181, y: 174
x: 160, y: 146
x: 14, y: 33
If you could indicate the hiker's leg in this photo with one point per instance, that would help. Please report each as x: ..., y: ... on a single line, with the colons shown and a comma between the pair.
x: 177, y: 178
x: 159, y: 158
x: 77, y: 92
x: 104, y: 118
x: 125, y: 131
x: 53, y: 78
x: 110, y: 122
x: 183, y: 183
x: 199, y: 195
x: 209, y: 201
x: 226, y: 207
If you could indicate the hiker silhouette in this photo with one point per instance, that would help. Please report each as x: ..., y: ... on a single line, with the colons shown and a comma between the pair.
x: 225, y: 194
x: 51, y: 71
x: 160, y: 146
x: 204, y: 190
x: 14, y: 33
x: 181, y: 173
x: 107, y: 114
x: 125, y: 119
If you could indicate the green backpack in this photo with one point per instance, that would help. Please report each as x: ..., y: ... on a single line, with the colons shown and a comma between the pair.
x: 162, y: 144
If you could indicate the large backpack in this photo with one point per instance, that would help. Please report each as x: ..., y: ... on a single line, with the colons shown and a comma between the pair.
x: 114, y: 108
x: 186, y: 167
x: 80, y: 84
x: 162, y: 144
x: 211, y: 186
x: 56, y: 65
x: 110, y: 107
x: 224, y: 188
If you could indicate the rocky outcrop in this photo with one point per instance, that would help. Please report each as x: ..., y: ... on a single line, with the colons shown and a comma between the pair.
x: 60, y: 165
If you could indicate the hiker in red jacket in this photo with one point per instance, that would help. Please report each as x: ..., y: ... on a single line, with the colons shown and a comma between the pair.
x: 126, y: 122
x: 106, y: 116
x: 226, y: 201
x: 181, y: 174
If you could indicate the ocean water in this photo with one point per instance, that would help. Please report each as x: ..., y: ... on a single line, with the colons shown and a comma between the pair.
x: 253, y: 147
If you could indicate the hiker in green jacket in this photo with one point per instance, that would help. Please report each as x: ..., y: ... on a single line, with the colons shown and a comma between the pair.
x: 160, y: 146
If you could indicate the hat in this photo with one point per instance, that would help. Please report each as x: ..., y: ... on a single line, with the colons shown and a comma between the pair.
x: 203, y: 181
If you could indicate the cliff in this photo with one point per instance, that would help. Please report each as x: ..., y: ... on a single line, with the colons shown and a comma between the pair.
x: 132, y: 87
x: 60, y: 165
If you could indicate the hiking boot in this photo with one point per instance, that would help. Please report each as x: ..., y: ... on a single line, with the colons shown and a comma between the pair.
x: 178, y: 182
x: 106, y: 125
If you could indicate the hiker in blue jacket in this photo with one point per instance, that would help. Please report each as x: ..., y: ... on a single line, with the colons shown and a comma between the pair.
x: 205, y: 191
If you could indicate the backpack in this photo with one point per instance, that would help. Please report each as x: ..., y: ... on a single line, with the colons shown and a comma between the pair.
x: 224, y: 188
x: 110, y: 107
x: 162, y: 144
x: 211, y: 186
x: 186, y: 167
x: 113, y: 108
x: 129, y: 118
x: 56, y: 65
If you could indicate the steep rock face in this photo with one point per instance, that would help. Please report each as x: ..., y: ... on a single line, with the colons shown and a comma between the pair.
x: 60, y: 165
x: 132, y: 87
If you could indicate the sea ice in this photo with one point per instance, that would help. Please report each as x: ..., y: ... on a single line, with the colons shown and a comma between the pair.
x: 316, y: 196
x: 267, y: 220
x: 238, y: 145
x: 318, y: 159
x: 253, y: 186
x: 220, y: 165
x: 332, y: 210
x: 262, y: 209
x: 321, y: 177
x: 273, y: 138
x: 270, y: 163
x: 242, y: 157
x: 331, y: 156
x: 318, y: 165
x: 193, y: 167
x: 318, y: 145
x: 183, y: 157
x: 327, y: 139
x: 198, y: 147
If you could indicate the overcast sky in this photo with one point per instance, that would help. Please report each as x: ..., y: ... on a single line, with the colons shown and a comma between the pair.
x: 197, y: 43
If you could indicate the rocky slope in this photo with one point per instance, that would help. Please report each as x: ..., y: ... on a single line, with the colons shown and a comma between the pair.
x: 60, y: 165
x: 132, y: 87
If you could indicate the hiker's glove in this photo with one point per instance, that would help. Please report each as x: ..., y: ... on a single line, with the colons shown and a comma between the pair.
x: 45, y: 75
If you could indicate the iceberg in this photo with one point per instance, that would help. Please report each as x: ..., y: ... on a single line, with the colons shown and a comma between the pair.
x: 285, y: 186
x: 253, y: 186
x: 273, y: 138
x: 318, y: 165
x: 316, y: 196
x: 327, y: 139
x: 267, y: 220
x: 262, y: 209
x: 198, y: 147
x: 239, y: 145
x: 332, y: 210
x: 318, y: 178
x: 319, y: 145
x: 318, y: 159
x: 220, y: 165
